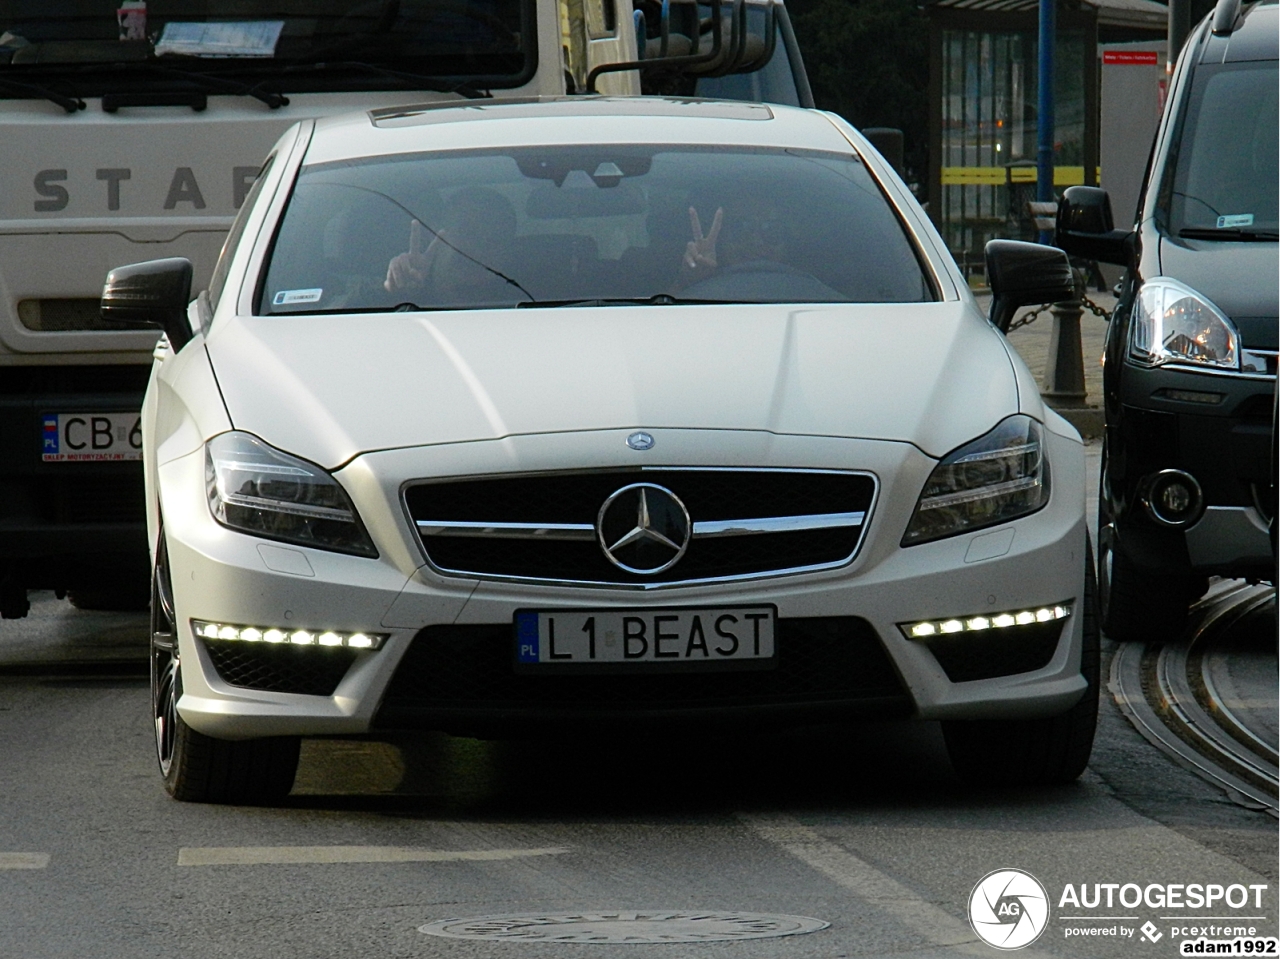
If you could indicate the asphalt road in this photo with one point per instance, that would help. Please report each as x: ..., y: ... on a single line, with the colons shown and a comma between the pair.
x: 864, y: 828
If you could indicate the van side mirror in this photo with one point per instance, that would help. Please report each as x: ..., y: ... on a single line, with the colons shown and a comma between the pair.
x: 1085, y: 227
x: 155, y: 293
x: 1022, y: 274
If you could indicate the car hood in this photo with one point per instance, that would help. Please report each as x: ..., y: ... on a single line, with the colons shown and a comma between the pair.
x: 1240, y: 279
x: 331, y: 387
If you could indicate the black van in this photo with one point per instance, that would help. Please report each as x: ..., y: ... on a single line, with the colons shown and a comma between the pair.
x: 1190, y: 362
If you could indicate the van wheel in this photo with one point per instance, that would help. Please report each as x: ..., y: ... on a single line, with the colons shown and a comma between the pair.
x: 1138, y: 606
x: 196, y: 767
x: 1034, y: 752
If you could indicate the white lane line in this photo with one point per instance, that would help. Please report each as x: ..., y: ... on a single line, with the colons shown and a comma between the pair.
x: 861, y: 878
x: 23, y: 860
x: 281, y: 855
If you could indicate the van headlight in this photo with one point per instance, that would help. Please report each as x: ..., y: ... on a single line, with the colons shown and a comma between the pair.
x: 1172, y: 323
x: 995, y: 478
x: 255, y: 488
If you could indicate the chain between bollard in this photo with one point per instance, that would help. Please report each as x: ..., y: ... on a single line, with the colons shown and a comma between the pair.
x: 1032, y: 316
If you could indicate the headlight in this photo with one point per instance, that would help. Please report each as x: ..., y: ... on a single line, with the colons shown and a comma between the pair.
x: 258, y: 489
x: 1172, y: 323
x: 996, y: 478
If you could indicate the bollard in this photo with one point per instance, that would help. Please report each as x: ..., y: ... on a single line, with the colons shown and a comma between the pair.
x: 1064, y: 366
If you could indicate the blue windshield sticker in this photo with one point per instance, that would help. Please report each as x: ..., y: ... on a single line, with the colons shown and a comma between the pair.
x: 290, y: 297
x: 1235, y: 219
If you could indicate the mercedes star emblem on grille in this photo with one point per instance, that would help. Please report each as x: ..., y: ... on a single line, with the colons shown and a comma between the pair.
x: 640, y: 441
x: 643, y: 528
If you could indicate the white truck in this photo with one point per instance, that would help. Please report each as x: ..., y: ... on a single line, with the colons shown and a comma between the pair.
x: 135, y: 131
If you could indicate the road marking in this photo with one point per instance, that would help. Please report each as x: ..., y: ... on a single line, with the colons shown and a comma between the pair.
x: 283, y: 855
x: 861, y: 878
x: 23, y: 860
x: 865, y: 881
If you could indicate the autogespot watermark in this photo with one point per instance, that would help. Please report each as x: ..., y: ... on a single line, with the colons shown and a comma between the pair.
x: 1010, y: 909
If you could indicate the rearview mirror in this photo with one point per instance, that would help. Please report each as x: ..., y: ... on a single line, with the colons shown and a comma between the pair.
x: 155, y: 293
x: 1021, y: 274
x: 1085, y: 227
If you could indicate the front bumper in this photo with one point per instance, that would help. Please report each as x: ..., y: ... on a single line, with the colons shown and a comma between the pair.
x: 1216, y: 427
x: 224, y: 576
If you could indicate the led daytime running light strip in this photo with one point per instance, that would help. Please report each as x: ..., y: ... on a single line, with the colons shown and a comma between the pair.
x: 286, y: 637
x: 977, y: 624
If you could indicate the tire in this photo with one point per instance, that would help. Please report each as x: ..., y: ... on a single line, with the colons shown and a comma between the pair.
x: 1136, y: 605
x: 196, y: 767
x: 1034, y: 752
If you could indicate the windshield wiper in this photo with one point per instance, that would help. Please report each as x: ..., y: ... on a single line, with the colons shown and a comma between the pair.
x: 1226, y: 233
x: 658, y: 299
x: 222, y: 85
x: 462, y: 88
x: 398, y: 308
x: 70, y: 104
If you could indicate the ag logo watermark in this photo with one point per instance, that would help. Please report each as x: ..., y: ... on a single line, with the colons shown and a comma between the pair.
x: 1008, y: 909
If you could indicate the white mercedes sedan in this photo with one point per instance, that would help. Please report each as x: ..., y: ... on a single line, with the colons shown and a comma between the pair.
x: 592, y: 414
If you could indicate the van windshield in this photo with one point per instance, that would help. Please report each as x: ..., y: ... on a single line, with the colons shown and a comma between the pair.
x: 598, y: 225
x: 87, y: 48
x: 1225, y: 173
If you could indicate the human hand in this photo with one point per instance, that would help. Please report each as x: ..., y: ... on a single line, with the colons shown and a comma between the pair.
x: 409, y: 270
x: 701, y: 250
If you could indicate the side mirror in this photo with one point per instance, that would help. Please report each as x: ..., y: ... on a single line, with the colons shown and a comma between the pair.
x: 1085, y: 227
x: 1021, y: 274
x: 155, y: 293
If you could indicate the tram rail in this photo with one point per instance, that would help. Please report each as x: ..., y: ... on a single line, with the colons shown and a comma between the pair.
x: 1167, y: 691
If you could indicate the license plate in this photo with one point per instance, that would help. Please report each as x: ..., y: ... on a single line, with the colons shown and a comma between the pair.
x: 695, y: 637
x: 90, y: 437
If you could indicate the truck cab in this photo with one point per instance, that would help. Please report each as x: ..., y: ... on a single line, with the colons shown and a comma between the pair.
x: 137, y: 133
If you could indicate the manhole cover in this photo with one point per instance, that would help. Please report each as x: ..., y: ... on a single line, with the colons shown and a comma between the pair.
x: 625, y: 927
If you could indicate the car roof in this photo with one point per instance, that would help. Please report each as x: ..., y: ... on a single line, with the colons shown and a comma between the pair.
x: 1255, y: 35
x: 569, y: 120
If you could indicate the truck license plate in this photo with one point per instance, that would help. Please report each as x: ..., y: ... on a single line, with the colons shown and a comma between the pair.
x: 90, y: 437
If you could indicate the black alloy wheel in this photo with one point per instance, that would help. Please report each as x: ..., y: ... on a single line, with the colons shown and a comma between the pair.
x: 166, y: 685
x: 196, y: 767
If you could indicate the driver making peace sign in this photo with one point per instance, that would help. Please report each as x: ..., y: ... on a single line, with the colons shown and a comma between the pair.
x: 755, y: 235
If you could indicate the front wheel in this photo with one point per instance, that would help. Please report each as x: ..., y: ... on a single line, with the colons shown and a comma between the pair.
x: 196, y: 767
x: 1034, y: 752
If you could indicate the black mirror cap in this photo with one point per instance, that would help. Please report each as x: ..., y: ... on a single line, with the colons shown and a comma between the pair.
x: 1086, y: 228
x: 155, y: 292
x: 1021, y: 273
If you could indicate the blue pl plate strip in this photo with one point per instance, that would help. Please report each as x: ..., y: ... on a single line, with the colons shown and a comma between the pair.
x: 51, y: 434
x: 527, y: 637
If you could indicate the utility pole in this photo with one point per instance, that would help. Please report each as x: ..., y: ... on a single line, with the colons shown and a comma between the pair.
x: 1179, y: 27
x: 1044, y: 115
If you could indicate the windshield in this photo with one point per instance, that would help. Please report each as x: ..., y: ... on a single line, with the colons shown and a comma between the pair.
x: 588, y: 225
x: 83, y: 48
x: 1224, y: 175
